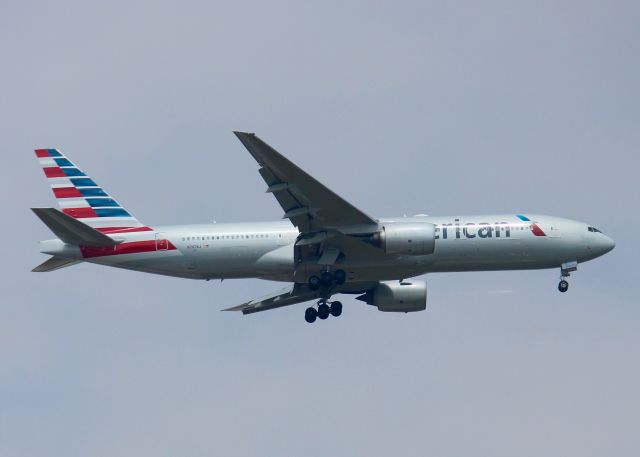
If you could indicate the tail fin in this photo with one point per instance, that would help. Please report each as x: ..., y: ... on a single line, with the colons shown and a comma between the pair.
x: 81, y: 198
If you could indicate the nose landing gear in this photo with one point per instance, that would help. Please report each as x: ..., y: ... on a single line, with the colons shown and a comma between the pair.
x: 565, y: 272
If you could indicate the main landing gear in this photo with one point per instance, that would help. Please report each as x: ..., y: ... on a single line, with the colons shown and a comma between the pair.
x: 324, y: 310
x: 327, y: 279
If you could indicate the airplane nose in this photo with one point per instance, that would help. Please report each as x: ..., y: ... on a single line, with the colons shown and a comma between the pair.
x: 609, y: 244
x: 605, y: 244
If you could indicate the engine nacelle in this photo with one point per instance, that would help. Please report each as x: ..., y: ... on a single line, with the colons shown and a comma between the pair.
x: 412, y: 238
x: 400, y: 297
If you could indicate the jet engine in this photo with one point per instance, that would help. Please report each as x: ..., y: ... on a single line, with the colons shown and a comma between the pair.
x: 417, y: 238
x: 399, y: 297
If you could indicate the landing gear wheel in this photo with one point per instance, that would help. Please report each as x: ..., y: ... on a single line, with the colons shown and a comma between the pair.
x: 314, y: 283
x: 336, y: 308
x: 323, y: 311
x: 310, y: 315
x: 340, y: 276
x: 563, y: 286
x: 326, y: 278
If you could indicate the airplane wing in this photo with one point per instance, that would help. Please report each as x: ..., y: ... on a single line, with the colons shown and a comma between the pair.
x: 307, y: 203
x: 296, y: 293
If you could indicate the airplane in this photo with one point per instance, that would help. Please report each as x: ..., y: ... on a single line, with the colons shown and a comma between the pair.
x: 323, y: 245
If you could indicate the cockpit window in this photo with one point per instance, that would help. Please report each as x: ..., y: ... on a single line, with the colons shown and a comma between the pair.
x: 593, y: 229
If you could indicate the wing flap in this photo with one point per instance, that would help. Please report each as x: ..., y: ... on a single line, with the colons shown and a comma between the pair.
x: 296, y: 293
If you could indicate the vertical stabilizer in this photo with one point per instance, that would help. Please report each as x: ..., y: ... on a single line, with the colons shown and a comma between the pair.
x: 81, y: 198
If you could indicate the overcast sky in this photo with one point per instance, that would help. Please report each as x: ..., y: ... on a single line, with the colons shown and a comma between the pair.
x: 444, y: 108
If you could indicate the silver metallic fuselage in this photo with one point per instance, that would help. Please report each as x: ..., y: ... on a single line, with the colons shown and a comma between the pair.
x: 266, y: 249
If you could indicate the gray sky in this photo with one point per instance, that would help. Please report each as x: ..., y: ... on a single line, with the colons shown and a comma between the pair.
x: 410, y: 107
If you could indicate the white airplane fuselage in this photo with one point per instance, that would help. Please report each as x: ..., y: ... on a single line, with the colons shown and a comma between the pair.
x: 266, y: 249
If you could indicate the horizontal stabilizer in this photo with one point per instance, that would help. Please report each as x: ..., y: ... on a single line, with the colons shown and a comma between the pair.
x: 71, y: 230
x: 55, y: 263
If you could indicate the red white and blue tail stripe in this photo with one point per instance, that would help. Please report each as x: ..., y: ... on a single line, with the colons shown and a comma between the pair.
x: 81, y: 198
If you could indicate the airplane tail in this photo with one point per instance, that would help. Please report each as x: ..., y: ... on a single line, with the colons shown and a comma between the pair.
x: 81, y: 198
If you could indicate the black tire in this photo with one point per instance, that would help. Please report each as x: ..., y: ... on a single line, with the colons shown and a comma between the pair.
x: 563, y: 286
x: 314, y: 283
x: 323, y: 311
x: 336, y: 308
x: 340, y: 276
x: 310, y: 315
x: 326, y: 278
